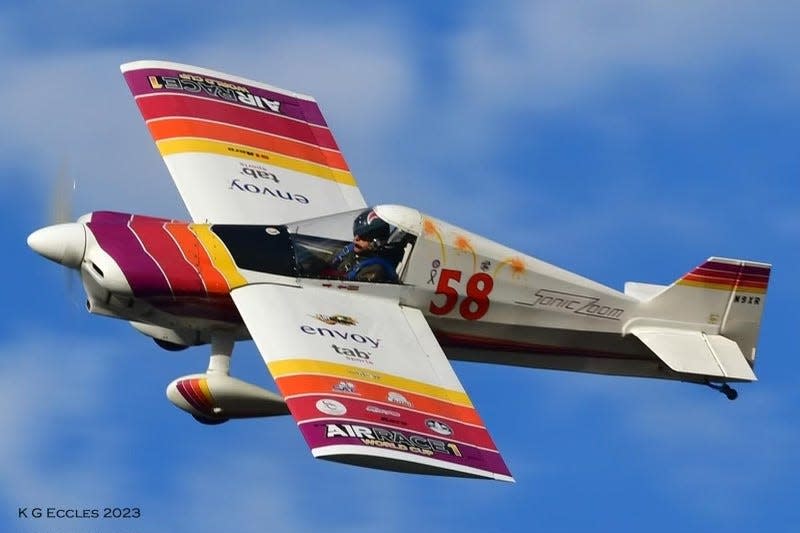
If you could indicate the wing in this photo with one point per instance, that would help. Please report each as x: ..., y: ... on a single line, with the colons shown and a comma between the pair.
x: 241, y: 152
x: 370, y: 387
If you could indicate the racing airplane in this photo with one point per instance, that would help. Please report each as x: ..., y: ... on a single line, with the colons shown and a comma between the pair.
x: 356, y: 310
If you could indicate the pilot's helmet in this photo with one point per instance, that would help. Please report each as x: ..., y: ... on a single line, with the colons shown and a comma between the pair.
x: 370, y: 227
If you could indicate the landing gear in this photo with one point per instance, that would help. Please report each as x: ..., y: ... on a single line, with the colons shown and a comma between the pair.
x: 214, y: 397
x: 729, y: 392
x: 218, y: 364
x: 221, y: 350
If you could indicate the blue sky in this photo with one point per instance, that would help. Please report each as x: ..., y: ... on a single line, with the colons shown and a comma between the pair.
x: 623, y: 140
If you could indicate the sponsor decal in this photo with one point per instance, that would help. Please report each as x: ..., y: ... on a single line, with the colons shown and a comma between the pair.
x: 252, y: 188
x: 331, y: 407
x: 343, y: 335
x: 364, y: 374
x: 438, y: 426
x: 345, y: 386
x: 574, y: 303
x: 381, y: 411
x: 393, y: 439
x: 332, y: 320
x: 239, y: 151
x: 257, y: 172
x: 353, y: 354
x: 221, y: 89
x: 399, y: 399
x: 387, y: 415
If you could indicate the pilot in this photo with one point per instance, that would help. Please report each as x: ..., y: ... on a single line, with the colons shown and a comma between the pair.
x: 369, y: 257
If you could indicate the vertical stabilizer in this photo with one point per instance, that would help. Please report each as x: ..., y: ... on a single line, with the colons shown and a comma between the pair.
x: 727, y: 292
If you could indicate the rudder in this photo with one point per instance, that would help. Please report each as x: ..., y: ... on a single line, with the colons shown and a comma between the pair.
x: 727, y: 292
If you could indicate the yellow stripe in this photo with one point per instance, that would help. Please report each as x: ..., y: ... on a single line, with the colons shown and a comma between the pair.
x: 219, y: 255
x: 187, y: 144
x: 309, y: 366
x: 721, y: 286
x: 205, y: 390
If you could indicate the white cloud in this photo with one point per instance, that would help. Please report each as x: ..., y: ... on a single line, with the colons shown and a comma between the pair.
x: 73, y: 111
x: 554, y: 55
x: 697, y: 449
x: 722, y: 453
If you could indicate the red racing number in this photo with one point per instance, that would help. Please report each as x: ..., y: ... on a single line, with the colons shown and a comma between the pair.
x: 475, y: 305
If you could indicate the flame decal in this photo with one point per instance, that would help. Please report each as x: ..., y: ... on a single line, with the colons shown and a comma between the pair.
x: 462, y: 244
x: 429, y: 228
x: 517, y: 265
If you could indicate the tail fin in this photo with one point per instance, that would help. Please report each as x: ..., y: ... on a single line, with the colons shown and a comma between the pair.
x: 727, y: 292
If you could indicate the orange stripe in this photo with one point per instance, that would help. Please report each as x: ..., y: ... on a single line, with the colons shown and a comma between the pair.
x: 722, y: 278
x: 187, y: 127
x: 313, y: 383
x: 197, y: 255
x: 721, y: 286
x: 741, y: 282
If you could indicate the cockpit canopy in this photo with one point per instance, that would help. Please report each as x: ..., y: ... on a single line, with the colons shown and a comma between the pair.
x: 371, y: 244
x: 326, y: 247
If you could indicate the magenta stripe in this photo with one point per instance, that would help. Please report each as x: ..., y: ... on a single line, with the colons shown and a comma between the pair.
x: 315, y: 435
x: 756, y: 271
x: 186, y: 388
x: 118, y: 240
x: 727, y: 267
x: 723, y: 267
x: 290, y: 106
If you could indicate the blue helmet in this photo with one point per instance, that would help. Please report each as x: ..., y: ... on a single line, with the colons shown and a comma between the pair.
x: 370, y: 227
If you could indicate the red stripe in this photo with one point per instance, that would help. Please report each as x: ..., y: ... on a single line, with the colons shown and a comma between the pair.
x: 732, y: 275
x: 745, y: 281
x: 183, y: 278
x: 304, y: 408
x: 459, y: 340
x: 300, y: 384
x: 732, y: 271
x: 181, y: 127
x: 166, y: 105
x: 746, y: 269
x: 191, y: 392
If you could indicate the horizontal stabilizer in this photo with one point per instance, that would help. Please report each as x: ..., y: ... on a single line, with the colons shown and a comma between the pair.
x: 642, y: 291
x: 728, y: 293
x: 695, y: 352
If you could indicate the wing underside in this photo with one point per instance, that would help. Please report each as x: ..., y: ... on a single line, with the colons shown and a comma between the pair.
x: 239, y: 151
x: 367, y: 382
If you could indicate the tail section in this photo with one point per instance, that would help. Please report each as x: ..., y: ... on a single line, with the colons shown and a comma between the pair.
x: 723, y: 299
x: 742, y: 319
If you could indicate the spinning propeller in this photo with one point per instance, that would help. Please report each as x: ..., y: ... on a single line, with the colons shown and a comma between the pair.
x: 63, y: 241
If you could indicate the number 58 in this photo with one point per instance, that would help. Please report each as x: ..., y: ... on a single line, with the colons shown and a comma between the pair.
x: 475, y: 305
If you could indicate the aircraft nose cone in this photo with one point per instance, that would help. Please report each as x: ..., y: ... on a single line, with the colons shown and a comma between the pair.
x: 62, y: 243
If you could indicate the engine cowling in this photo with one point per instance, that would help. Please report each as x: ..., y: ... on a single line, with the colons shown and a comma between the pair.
x: 215, y: 398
